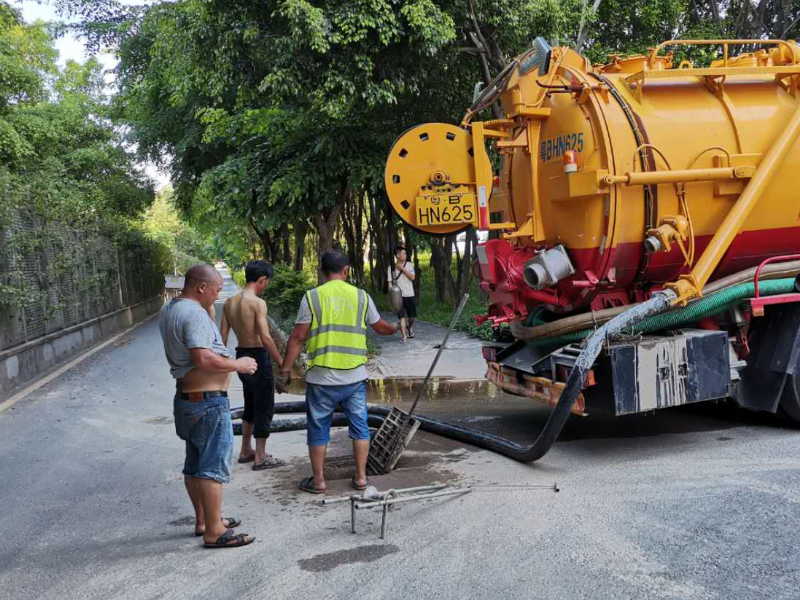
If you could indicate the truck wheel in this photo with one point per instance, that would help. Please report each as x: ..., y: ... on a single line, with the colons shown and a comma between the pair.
x: 790, y: 401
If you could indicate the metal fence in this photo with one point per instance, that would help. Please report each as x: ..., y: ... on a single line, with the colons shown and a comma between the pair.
x: 54, y: 275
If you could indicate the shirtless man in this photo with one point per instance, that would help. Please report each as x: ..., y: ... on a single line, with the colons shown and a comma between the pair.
x: 246, y: 312
x: 201, y: 366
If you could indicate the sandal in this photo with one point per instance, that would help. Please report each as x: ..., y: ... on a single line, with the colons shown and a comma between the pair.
x: 246, y: 459
x: 307, y: 485
x: 357, y: 486
x: 232, y: 523
x: 230, y: 540
x: 270, y: 462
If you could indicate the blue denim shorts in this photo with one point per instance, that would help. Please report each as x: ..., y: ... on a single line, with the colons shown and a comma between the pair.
x: 322, y: 401
x: 206, y: 428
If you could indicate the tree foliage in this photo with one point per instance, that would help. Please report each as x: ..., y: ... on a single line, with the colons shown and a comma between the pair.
x: 66, y: 179
x: 276, y: 116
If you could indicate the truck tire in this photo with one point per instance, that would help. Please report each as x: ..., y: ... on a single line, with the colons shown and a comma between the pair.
x: 790, y: 400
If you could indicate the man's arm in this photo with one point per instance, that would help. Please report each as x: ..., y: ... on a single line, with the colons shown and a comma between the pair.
x: 262, y: 329
x: 224, y: 327
x: 205, y: 359
x: 407, y: 272
x: 383, y: 327
x: 294, y: 346
x: 374, y: 320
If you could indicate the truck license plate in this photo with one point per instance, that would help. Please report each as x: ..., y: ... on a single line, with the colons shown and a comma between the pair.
x: 445, y: 209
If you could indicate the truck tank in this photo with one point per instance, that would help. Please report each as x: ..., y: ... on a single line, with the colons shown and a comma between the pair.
x: 604, y: 185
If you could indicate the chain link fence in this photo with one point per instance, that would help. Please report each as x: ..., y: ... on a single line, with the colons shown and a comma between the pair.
x: 54, y: 275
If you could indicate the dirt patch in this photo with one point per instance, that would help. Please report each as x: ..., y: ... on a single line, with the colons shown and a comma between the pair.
x: 426, y: 461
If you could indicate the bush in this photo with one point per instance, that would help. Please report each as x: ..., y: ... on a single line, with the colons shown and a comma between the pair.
x: 286, y: 289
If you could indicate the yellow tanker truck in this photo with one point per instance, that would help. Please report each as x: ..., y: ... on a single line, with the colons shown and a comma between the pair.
x: 644, y: 226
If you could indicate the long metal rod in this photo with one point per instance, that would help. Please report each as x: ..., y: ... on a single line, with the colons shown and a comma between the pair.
x: 377, y: 503
x: 424, y: 385
x: 410, y: 490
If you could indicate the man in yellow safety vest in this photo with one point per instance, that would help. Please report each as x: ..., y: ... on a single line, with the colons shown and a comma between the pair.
x: 332, y: 322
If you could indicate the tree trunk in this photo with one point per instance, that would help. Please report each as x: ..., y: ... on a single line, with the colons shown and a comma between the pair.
x: 470, y: 244
x: 441, y: 258
x: 264, y: 238
x: 383, y: 236
x: 286, y: 253
x: 325, y: 224
x: 300, y: 232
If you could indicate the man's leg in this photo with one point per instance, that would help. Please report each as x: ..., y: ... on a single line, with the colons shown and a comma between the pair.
x: 194, y: 495
x: 248, y: 418
x: 403, y: 328
x: 317, y: 456
x: 263, y: 393
x: 355, y: 407
x: 360, y: 453
x: 211, y: 500
x: 247, y: 447
x: 261, y: 450
x: 320, y: 404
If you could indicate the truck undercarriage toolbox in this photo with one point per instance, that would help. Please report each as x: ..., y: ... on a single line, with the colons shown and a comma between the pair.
x: 635, y: 375
x: 662, y: 371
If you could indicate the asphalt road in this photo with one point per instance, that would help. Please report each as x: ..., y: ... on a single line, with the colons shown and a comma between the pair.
x: 690, y: 504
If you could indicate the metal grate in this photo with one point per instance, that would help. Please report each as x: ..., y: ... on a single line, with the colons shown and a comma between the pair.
x: 390, y: 441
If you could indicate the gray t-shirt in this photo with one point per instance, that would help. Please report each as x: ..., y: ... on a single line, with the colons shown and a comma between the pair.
x: 324, y: 375
x: 184, y: 325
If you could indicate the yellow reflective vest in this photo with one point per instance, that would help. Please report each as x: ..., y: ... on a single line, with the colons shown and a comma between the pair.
x: 338, y: 335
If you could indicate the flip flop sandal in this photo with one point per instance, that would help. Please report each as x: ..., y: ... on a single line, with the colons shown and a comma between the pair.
x: 270, y: 462
x: 230, y: 540
x: 357, y: 486
x: 232, y: 523
x: 307, y: 485
x: 246, y: 459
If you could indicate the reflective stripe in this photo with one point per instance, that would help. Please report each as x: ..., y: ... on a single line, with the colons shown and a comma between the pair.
x: 317, y: 308
x: 360, y: 313
x: 342, y: 328
x: 338, y: 349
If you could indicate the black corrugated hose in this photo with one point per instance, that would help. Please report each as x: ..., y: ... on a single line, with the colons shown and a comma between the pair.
x: 555, y: 422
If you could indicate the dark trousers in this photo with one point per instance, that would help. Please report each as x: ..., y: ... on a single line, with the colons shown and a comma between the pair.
x: 259, y: 392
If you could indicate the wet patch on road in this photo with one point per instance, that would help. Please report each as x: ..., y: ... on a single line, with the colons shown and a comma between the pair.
x: 331, y: 560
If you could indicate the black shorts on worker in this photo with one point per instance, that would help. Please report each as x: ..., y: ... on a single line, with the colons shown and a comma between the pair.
x: 259, y: 392
x: 409, y: 308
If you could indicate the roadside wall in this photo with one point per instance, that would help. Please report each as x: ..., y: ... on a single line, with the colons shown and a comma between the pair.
x: 67, y: 286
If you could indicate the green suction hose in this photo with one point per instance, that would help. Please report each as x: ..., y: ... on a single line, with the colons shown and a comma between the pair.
x: 704, y: 307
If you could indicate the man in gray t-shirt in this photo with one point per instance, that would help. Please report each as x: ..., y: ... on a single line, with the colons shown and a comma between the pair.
x: 184, y: 325
x: 201, y: 366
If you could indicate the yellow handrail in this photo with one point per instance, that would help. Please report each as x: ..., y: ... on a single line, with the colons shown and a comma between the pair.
x: 724, y: 43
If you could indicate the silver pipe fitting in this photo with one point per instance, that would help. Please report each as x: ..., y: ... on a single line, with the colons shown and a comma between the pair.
x: 548, y: 268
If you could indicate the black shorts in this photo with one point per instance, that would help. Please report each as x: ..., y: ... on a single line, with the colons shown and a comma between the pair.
x: 259, y: 392
x: 409, y: 308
